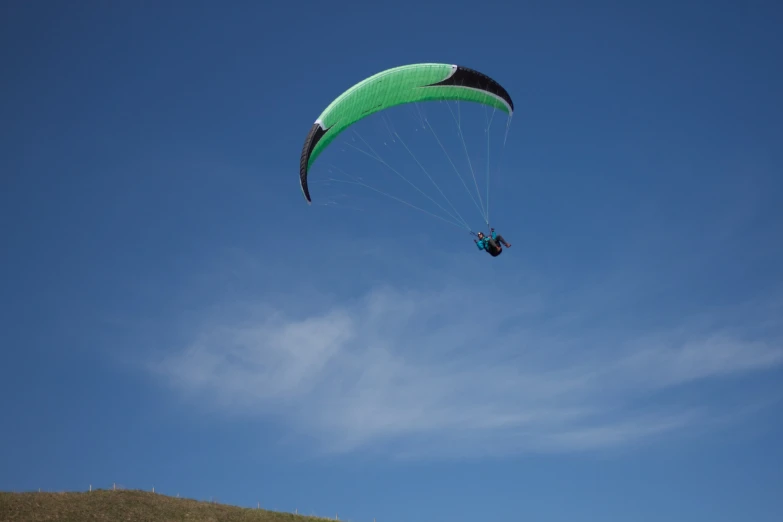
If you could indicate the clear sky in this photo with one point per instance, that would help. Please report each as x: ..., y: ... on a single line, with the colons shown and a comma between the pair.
x: 174, y: 315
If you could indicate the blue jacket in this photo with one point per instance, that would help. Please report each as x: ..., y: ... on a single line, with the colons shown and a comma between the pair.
x: 482, y: 244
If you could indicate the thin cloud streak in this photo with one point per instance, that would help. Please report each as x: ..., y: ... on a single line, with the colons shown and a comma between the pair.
x: 421, y: 373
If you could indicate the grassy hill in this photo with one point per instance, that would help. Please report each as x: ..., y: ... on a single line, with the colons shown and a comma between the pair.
x: 127, y: 506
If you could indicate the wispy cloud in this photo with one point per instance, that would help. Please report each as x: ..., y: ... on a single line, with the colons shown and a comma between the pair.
x: 423, y: 372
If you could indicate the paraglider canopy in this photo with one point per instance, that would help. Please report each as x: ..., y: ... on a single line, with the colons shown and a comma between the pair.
x: 396, y: 86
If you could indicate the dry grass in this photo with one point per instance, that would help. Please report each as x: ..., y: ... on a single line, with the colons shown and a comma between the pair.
x: 128, y: 505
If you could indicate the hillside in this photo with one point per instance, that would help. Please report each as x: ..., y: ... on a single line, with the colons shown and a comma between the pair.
x: 126, y: 506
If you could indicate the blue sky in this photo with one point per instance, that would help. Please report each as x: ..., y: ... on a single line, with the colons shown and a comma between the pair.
x: 175, y: 315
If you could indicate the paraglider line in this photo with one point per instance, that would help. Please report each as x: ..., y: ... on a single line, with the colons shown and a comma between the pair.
x: 375, y: 156
x: 470, y: 164
x: 432, y: 129
x: 489, y: 126
x: 396, y: 199
x: 430, y: 177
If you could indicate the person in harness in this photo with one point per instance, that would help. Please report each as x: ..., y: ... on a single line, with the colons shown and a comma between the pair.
x: 491, y: 243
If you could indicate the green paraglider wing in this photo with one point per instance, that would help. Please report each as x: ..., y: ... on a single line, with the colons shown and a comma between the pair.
x: 405, y: 84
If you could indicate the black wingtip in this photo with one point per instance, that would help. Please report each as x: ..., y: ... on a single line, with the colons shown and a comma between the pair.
x: 315, y: 134
x: 467, y: 77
